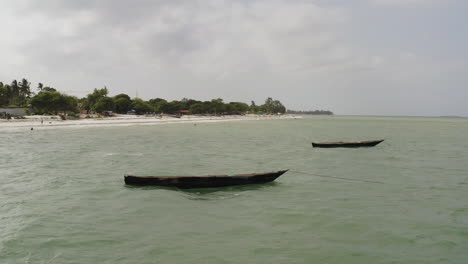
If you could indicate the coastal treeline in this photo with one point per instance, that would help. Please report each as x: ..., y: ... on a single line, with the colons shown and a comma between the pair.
x: 16, y: 94
x: 314, y: 112
x: 48, y: 100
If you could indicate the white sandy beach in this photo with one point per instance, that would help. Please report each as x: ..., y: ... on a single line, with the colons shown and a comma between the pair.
x: 49, y: 122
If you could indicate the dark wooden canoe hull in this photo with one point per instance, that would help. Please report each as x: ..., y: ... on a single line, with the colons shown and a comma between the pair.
x: 347, y: 144
x: 209, y: 181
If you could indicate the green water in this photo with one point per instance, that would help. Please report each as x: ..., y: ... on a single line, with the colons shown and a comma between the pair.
x: 62, y: 197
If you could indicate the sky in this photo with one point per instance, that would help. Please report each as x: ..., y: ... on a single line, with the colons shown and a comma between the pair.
x: 353, y: 57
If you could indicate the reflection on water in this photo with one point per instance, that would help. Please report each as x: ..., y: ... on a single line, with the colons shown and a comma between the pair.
x: 209, y: 193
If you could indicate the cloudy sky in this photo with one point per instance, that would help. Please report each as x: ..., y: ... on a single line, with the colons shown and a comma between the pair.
x: 361, y: 57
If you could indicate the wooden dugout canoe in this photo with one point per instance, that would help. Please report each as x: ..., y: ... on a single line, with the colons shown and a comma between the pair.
x: 208, y: 181
x: 340, y: 144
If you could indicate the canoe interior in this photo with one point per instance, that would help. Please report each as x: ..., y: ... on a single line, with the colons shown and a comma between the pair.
x: 357, y: 144
x: 208, y: 181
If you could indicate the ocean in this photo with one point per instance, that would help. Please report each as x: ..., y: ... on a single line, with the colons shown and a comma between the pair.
x: 63, y: 198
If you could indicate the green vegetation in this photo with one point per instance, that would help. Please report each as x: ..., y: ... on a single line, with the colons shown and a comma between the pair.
x: 49, y: 100
x: 16, y: 94
x: 54, y: 102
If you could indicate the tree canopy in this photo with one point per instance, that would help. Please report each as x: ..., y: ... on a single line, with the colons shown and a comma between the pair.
x: 15, y: 94
x: 50, y: 100
x: 53, y: 103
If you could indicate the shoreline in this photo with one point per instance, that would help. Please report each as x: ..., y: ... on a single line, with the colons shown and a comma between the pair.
x: 50, y: 122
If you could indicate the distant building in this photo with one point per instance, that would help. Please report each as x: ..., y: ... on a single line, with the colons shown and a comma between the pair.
x: 18, y: 111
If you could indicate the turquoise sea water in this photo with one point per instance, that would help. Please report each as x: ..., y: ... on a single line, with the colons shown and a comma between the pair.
x: 63, y: 200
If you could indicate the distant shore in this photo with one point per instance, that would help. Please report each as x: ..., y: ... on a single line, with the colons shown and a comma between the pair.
x: 49, y: 122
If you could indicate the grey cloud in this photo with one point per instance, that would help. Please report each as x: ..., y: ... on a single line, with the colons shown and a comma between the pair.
x: 297, y: 51
x: 195, y: 33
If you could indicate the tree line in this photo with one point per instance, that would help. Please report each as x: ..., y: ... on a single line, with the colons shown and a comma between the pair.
x: 48, y: 100
x: 314, y: 112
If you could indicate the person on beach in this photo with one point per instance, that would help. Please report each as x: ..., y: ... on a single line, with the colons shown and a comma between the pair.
x: 42, y: 121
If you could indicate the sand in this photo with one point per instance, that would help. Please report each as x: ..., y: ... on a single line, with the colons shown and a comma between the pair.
x: 50, y: 122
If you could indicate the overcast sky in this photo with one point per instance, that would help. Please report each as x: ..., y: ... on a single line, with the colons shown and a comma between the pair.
x: 361, y: 57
